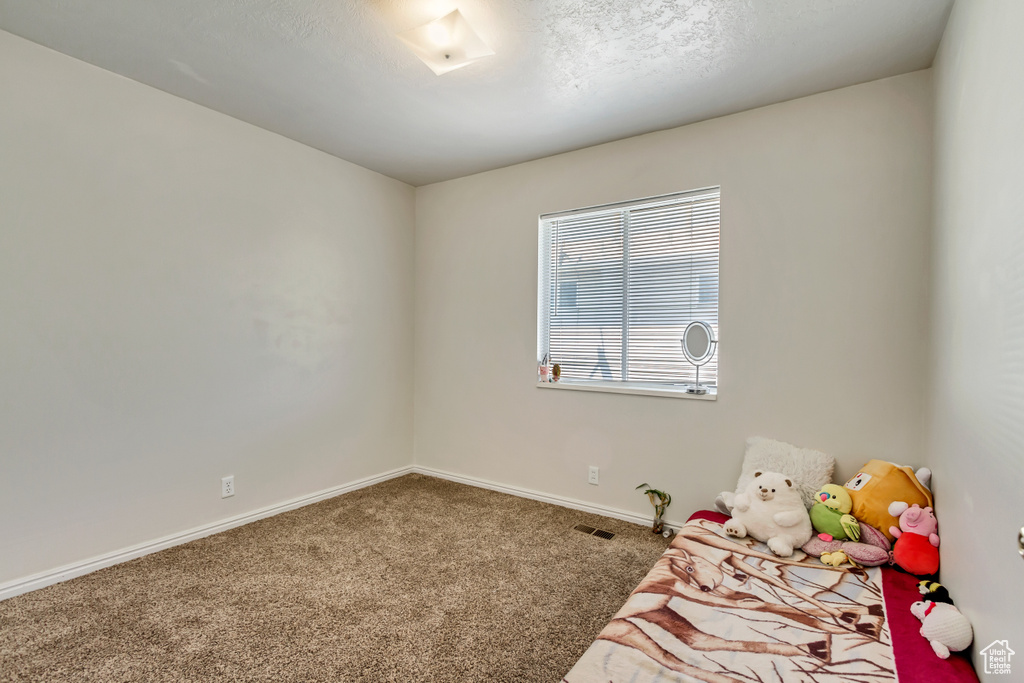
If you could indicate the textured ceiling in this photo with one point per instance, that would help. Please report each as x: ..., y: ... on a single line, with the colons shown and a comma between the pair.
x: 567, y: 73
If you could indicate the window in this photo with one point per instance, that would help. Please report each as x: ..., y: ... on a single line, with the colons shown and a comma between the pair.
x: 619, y: 283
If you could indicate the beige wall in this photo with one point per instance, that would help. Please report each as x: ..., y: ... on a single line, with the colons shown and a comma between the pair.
x: 977, y: 409
x: 184, y: 297
x: 824, y: 329
x: 187, y: 296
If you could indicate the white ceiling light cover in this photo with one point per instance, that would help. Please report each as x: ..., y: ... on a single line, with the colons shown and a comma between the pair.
x: 446, y: 44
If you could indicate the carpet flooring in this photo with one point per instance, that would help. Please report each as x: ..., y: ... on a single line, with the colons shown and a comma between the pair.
x: 412, y: 579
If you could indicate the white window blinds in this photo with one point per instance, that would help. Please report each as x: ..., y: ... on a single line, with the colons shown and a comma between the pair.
x: 620, y: 283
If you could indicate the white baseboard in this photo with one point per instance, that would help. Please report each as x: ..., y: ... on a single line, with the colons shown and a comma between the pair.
x: 70, y: 571
x: 75, y: 569
x: 570, y: 503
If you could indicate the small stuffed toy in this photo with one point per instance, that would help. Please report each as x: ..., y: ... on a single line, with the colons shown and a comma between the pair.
x: 872, y: 550
x: 917, y: 545
x: 830, y: 515
x: 945, y: 628
x: 770, y: 509
x: 934, y: 591
x: 835, y: 558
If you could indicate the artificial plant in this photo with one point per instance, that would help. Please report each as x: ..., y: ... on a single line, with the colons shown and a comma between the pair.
x: 660, y: 500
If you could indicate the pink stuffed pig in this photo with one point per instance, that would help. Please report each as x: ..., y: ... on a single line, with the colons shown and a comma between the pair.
x: 917, y: 543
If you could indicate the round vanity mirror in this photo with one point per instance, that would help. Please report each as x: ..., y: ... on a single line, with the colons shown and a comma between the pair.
x: 698, y: 344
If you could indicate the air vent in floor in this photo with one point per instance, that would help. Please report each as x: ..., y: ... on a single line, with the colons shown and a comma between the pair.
x: 591, y: 531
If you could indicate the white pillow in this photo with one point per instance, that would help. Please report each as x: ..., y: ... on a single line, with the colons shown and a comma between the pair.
x: 809, y: 469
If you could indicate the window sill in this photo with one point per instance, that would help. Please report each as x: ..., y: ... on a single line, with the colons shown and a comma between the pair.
x: 667, y: 390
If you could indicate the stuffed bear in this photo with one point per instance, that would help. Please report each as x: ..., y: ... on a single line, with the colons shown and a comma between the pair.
x: 771, y: 510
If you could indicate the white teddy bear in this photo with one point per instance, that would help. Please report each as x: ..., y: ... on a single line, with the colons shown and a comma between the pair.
x: 770, y: 509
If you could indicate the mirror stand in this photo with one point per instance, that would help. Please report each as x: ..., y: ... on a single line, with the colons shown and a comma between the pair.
x: 696, y: 387
x: 698, y: 344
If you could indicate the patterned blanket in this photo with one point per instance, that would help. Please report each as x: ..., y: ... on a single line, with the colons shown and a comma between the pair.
x: 714, y: 609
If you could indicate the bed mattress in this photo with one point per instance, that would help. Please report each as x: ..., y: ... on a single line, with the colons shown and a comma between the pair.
x: 719, y: 609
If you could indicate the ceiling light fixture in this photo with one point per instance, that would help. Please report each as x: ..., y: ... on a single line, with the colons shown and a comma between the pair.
x: 446, y: 44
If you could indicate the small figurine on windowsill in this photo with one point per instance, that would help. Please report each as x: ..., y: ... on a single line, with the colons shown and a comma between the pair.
x: 663, y: 501
x: 556, y: 372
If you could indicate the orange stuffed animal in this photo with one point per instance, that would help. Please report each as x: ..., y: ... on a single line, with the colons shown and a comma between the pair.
x: 879, y: 484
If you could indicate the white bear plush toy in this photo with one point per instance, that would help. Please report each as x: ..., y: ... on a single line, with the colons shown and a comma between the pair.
x: 770, y: 509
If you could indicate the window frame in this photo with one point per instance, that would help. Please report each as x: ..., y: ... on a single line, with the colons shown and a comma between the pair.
x: 668, y: 388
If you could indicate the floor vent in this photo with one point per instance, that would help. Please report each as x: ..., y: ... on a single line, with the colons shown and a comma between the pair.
x: 589, y: 530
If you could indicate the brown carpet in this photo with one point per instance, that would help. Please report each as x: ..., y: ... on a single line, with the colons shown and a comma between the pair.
x: 413, y: 579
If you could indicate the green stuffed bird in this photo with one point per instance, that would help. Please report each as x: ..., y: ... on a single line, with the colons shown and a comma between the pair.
x: 832, y: 515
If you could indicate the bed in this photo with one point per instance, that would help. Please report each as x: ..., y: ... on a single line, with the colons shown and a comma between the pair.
x: 720, y: 610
